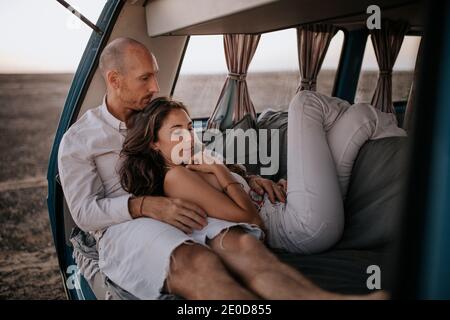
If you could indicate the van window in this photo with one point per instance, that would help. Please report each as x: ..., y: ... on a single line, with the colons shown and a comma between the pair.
x: 274, y: 72
x: 272, y: 79
x: 202, y: 75
x: 402, y: 73
x: 327, y: 75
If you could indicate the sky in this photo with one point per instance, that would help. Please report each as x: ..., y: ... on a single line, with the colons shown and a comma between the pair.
x: 278, y: 51
x: 41, y: 36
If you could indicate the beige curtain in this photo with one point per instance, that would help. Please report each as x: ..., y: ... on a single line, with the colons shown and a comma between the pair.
x: 234, y: 101
x: 387, y: 42
x: 407, y: 121
x: 312, y: 44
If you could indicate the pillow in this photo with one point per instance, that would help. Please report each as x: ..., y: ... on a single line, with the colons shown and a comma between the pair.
x: 276, y: 120
x: 375, y: 193
x: 235, y: 135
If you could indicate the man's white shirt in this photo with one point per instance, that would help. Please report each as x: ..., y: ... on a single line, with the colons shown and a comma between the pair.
x: 88, y: 164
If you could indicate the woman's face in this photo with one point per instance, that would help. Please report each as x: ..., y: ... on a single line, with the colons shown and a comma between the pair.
x: 176, y: 138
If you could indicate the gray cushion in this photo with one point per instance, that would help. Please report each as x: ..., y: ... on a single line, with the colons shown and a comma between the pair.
x: 375, y: 193
x: 247, y: 122
x: 343, y: 271
x: 275, y: 120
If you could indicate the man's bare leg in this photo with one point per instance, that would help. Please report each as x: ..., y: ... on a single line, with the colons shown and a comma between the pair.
x: 198, y: 273
x: 262, y: 272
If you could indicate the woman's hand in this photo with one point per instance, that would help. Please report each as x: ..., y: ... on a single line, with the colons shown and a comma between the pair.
x: 202, y: 162
x: 206, y: 157
x: 275, y: 191
x: 206, y: 168
x: 283, y: 183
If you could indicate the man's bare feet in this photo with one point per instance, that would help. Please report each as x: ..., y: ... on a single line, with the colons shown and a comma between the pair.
x: 378, y: 295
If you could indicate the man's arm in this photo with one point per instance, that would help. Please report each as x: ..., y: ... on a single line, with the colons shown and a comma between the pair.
x: 83, y: 188
x: 92, y: 211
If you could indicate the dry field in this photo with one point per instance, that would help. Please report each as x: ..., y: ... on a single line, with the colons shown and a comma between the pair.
x: 30, y: 106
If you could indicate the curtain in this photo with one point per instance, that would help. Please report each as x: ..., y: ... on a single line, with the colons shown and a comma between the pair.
x: 312, y: 44
x: 387, y: 42
x: 234, y: 101
x: 407, y: 122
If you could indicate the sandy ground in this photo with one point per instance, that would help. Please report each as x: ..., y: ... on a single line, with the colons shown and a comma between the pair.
x: 30, y: 107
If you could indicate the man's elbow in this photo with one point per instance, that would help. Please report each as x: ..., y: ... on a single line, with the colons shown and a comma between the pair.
x: 83, y: 222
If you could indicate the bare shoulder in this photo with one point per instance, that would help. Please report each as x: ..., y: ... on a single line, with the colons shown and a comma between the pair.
x: 182, y: 177
x: 180, y: 182
x: 178, y: 175
x: 177, y: 172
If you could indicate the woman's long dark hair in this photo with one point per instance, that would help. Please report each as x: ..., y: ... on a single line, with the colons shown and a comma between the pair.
x: 143, y: 168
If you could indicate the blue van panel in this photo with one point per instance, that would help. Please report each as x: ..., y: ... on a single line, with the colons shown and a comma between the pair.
x: 350, y: 64
x: 435, y: 277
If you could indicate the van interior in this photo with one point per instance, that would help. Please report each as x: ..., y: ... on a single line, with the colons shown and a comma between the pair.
x: 175, y: 30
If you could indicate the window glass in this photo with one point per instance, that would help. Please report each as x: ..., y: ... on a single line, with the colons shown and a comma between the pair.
x: 272, y: 79
x: 202, y: 75
x: 402, y: 73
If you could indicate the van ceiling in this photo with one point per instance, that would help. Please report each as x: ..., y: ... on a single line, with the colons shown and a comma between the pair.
x: 202, y: 17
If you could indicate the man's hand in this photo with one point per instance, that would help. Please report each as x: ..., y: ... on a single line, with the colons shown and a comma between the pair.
x: 275, y: 191
x: 181, y: 214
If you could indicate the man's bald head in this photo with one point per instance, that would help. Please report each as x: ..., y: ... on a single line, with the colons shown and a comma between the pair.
x: 116, y: 54
x: 130, y: 71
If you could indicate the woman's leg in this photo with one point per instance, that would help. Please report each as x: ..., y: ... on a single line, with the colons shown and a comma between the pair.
x: 314, y: 217
x: 359, y: 123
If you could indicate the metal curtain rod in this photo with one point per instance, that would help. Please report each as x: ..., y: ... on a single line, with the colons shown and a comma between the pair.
x: 80, y: 16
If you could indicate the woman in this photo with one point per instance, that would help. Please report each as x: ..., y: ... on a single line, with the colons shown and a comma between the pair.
x: 324, y: 137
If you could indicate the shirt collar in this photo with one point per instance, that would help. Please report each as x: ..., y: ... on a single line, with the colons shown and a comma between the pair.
x: 110, y: 119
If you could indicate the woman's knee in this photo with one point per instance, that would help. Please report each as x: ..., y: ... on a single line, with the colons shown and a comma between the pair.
x: 299, y: 100
x: 361, y: 113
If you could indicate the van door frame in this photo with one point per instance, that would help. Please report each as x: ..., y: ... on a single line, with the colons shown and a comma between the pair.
x: 77, y: 92
x: 422, y: 258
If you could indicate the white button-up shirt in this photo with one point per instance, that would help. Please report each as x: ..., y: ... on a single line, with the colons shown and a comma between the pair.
x: 88, y: 161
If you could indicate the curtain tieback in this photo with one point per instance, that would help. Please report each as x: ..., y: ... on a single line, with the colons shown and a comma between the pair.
x: 237, y: 76
x: 308, y: 81
x: 385, y: 72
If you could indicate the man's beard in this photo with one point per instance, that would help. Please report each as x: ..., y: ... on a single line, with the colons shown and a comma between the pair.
x: 146, y: 100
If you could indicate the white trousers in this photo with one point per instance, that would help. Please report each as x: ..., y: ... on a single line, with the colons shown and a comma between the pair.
x: 324, y: 138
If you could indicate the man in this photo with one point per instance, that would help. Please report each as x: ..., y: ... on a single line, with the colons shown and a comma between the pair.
x: 141, y: 245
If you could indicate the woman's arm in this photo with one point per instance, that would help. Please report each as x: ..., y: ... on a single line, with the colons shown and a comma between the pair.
x: 236, y: 206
